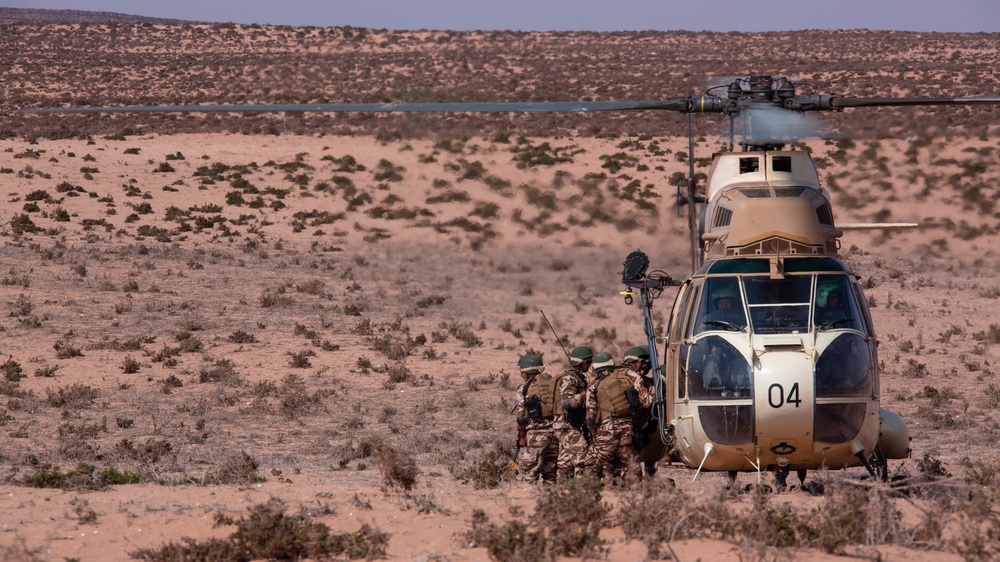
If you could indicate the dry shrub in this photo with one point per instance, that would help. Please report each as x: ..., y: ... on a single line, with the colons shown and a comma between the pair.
x: 147, y: 453
x: 240, y: 469
x: 398, y: 468
x: 83, y: 477
x: 977, y: 528
x: 222, y: 371
x: 511, y: 542
x: 268, y: 533
x: 239, y: 336
x: 488, y: 471
x: 982, y: 471
x: 394, y: 346
x: 74, y: 396
x: 652, y: 513
x: 566, y: 522
x: 348, y: 452
x: 573, y: 515
x: 12, y: 370
x: 19, y: 551
x: 296, y: 401
x: 853, y: 513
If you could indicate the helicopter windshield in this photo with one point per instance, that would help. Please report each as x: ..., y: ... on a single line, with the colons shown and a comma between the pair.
x: 836, y: 304
x: 793, y: 304
x: 778, y: 305
x: 721, y: 306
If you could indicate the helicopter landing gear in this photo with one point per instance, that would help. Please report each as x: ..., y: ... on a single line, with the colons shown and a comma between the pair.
x: 864, y: 460
x: 781, y: 478
x: 731, y: 484
x: 882, y: 468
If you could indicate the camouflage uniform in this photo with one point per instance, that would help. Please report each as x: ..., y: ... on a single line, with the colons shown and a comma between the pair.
x: 612, y: 448
x: 645, y: 425
x: 572, y: 442
x: 539, y: 449
x: 637, y: 360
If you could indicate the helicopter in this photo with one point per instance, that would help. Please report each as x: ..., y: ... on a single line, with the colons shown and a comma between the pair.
x: 769, y: 360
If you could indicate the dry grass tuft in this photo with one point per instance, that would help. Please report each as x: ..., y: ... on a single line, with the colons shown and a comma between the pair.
x: 398, y: 468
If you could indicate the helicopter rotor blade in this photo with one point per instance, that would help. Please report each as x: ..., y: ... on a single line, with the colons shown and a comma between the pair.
x: 682, y: 105
x: 842, y: 102
x: 827, y: 102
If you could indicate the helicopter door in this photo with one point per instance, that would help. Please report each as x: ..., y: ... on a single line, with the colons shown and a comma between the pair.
x: 675, y: 357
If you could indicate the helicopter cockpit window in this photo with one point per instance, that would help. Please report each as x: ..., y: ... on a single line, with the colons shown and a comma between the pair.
x: 778, y: 305
x: 721, y: 307
x: 716, y: 369
x: 845, y: 367
x: 836, y: 307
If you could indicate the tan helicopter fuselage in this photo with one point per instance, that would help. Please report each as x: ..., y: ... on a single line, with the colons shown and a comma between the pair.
x: 771, y: 358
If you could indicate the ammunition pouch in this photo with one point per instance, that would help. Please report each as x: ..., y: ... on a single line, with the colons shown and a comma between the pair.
x: 533, y: 406
x: 632, y: 395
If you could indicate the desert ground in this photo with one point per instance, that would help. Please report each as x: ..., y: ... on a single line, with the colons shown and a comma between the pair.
x: 213, y: 324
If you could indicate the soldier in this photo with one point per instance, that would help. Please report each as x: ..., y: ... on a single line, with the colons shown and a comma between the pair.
x: 616, y: 396
x: 571, y: 431
x: 536, y: 403
x: 637, y: 361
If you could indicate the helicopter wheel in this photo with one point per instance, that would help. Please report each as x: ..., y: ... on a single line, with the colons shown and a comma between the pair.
x: 882, y: 467
x: 731, y: 484
x: 781, y: 478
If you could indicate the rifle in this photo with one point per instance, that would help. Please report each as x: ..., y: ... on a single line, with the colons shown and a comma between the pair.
x: 583, y: 427
x: 566, y: 353
x: 517, y: 450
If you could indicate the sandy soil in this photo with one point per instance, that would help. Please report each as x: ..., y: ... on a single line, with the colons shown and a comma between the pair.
x: 452, y: 260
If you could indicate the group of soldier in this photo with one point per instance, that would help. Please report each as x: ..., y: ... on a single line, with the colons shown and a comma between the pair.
x: 590, y: 420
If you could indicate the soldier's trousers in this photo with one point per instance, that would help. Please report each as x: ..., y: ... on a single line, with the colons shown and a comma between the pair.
x: 572, y: 450
x: 539, y: 455
x: 612, y: 451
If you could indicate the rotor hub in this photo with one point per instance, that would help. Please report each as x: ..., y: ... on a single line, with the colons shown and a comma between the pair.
x: 761, y: 88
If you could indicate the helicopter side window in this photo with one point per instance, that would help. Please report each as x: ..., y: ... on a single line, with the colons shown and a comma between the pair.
x: 721, y: 307
x: 778, y: 305
x: 675, y: 332
x: 836, y: 304
x: 866, y: 317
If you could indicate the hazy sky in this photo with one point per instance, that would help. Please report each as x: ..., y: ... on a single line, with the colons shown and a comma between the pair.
x: 595, y: 15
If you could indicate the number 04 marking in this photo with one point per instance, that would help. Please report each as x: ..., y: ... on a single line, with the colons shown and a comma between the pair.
x: 776, y: 395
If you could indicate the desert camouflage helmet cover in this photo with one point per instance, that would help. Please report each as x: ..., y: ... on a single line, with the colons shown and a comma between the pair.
x: 603, y: 361
x: 531, y: 364
x: 580, y: 354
